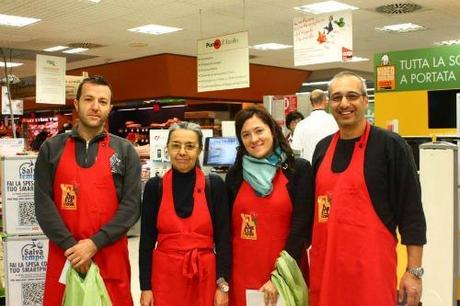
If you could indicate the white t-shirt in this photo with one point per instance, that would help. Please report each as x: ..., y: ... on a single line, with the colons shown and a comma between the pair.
x: 311, y: 130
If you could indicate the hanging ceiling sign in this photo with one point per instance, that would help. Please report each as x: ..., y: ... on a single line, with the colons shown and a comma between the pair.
x: 223, y: 62
x: 71, y: 85
x: 50, y: 83
x: 323, y: 38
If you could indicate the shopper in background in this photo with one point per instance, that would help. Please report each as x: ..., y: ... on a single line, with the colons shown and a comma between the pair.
x: 291, y: 122
x: 315, y: 127
x: 186, y: 214
x: 66, y: 127
x: 87, y: 196
x: 39, y: 140
x: 271, y: 194
x: 366, y: 186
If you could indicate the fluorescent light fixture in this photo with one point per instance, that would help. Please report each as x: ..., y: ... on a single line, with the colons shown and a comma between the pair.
x: 16, y: 21
x: 450, y: 42
x: 401, y: 28
x: 94, y: 1
x: 315, y: 83
x: 370, y: 89
x: 10, y: 64
x: 154, y: 29
x: 55, y: 48
x: 127, y: 109
x: 75, y: 50
x: 325, y: 7
x: 271, y: 46
x: 357, y: 59
x: 174, y: 106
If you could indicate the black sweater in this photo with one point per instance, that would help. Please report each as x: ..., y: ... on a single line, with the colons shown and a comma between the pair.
x: 391, y: 178
x: 183, y: 185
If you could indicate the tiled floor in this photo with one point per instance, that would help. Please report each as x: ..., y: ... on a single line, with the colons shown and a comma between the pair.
x: 133, y: 246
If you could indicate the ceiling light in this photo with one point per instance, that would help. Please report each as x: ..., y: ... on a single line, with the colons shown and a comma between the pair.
x: 75, y: 50
x: 10, y: 64
x: 56, y: 48
x: 401, y: 28
x: 325, y: 7
x: 174, y: 106
x: 357, y: 59
x: 94, y: 1
x: 16, y: 21
x: 271, y: 46
x: 315, y: 83
x: 448, y: 42
x: 154, y: 29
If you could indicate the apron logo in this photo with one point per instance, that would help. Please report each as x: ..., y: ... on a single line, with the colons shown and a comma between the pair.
x: 324, y: 208
x: 248, y: 227
x: 69, y: 197
x: 115, y: 164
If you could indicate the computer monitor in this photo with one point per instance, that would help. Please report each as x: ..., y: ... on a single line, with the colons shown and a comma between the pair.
x: 220, y: 152
x: 442, y: 109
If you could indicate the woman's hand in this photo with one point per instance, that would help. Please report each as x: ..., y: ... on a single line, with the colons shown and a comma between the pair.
x: 220, y: 298
x: 147, y: 298
x: 270, y: 293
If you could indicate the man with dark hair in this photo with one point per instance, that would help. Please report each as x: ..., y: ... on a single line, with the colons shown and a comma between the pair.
x: 87, y: 196
x: 366, y: 187
x: 315, y: 127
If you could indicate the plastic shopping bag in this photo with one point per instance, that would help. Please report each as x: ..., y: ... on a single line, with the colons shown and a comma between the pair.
x: 289, y: 281
x: 87, y: 291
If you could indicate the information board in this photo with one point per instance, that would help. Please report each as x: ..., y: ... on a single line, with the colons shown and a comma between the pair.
x: 17, y: 173
x: 25, y: 266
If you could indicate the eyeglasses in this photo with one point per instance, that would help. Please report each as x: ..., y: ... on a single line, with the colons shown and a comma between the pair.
x: 350, y: 96
x: 176, y: 147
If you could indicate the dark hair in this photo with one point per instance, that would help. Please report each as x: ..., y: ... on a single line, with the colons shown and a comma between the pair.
x: 278, y: 137
x: 94, y: 79
x: 293, y: 116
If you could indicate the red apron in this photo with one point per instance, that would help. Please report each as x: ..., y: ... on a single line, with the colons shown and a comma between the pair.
x: 184, y: 264
x: 86, y: 200
x: 353, y: 257
x: 260, y: 226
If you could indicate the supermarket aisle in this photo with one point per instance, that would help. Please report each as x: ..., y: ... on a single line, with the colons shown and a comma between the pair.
x: 133, y: 246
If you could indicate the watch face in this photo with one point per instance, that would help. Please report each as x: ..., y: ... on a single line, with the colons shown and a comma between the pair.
x: 417, y: 272
x: 224, y: 287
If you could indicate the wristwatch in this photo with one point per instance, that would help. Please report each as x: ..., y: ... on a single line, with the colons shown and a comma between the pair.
x: 223, y: 285
x: 416, y: 271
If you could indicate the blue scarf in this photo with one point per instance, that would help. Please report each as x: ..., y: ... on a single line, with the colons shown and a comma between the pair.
x: 259, y: 172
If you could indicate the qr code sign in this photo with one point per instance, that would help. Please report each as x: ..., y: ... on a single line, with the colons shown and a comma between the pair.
x: 27, y: 213
x: 32, y: 293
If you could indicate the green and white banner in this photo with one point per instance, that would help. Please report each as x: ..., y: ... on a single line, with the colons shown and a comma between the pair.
x: 418, y: 69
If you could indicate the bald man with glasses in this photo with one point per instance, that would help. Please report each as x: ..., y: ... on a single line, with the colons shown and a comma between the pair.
x: 366, y: 187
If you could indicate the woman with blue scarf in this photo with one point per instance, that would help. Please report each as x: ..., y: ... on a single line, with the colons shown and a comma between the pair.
x: 272, y: 204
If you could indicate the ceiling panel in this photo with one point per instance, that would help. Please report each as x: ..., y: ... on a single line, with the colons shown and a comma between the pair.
x: 106, y: 23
